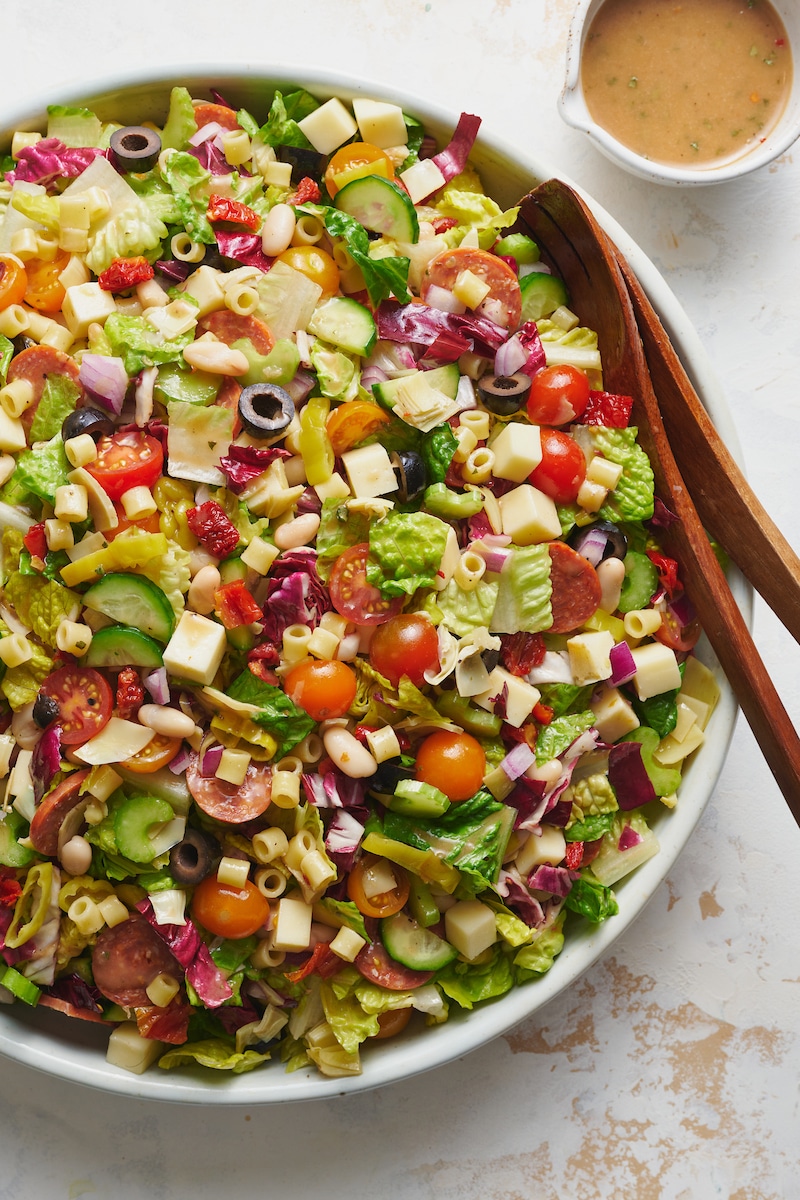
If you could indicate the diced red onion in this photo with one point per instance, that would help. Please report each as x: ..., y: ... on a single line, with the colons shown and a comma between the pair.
x: 628, y: 838
x: 452, y: 160
x: 517, y: 761
x: 180, y: 762
x: 465, y: 394
x: 157, y: 685
x: 143, y: 396
x: 444, y: 300
x: 300, y: 387
x: 106, y: 379
x: 493, y: 549
x: 205, y: 132
x: 538, y: 268
x: 592, y: 545
x: 682, y: 609
x: 510, y: 358
x: 372, y: 375
x: 623, y: 666
x: 210, y: 758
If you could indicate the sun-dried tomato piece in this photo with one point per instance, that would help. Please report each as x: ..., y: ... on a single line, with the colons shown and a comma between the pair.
x: 125, y: 273
x: 667, y: 571
x: 235, y: 606
x: 307, y: 192
x: 606, y: 408
x: 211, y: 526
x: 222, y: 208
x: 521, y: 652
x: 573, y: 857
x: 130, y: 693
x: 323, y: 962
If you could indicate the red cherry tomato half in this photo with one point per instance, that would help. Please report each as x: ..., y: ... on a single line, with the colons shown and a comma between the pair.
x: 405, y: 645
x: 558, y: 395
x: 678, y: 637
x: 324, y: 688
x: 353, y: 596
x: 126, y: 460
x: 228, y: 911
x: 85, y: 702
x: 562, y: 469
x: 380, y: 904
x: 503, y: 305
x: 453, y: 762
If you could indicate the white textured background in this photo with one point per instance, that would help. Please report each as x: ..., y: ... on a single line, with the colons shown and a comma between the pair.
x: 670, y: 1072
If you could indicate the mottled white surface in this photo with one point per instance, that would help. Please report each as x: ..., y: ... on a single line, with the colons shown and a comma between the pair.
x: 670, y: 1072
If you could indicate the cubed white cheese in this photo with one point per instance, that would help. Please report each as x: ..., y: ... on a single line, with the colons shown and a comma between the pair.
x: 86, y: 304
x: 328, y: 126
x: 549, y: 846
x: 613, y: 715
x: 233, y: 766
x: 470, y: 926
x: 369, y: 470
x: 657, y: 670
x: 204, y: 286
x: 421, y: 179
x: 604, y: 471
x: 470, y: 289
x: 196, y: 649
x: 259, y: 555
x: 334, y: 488
x: 292, y: 929
x: 589, y: 656
x: 347, y: 944
x: 517, y: 451
x: 173, y: 319
x: 528, y: 516
x: 521, y: 697
x: 129, y: 1050
x: 380, y: 124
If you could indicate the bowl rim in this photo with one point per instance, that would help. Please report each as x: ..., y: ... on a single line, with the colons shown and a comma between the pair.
x: 574, y: 111
x: 75, y: 1052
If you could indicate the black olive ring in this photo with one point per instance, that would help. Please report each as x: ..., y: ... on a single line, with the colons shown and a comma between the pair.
x: 135, y: 148
x: 265, y: 409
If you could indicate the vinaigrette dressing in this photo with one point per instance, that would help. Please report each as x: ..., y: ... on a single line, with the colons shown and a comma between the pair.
x: 701, y: 81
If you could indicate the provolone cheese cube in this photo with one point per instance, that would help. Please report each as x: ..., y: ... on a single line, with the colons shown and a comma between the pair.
x: 129, y: 1050
x: 613, y: 715
x: 549, y: 846
x: 528, y: 516
x: 347, y: 944
x: 657, y: 670
x: 604, y: 471
x: 520, y: 700
x: 292, y: 929
x: 203, y: 286
x: 517, y: 451
x: 380, y: 124
x: 260, y: 555
x: 589, y: 656
x: 370, y: 471
x: 86, y: 304
x: 196, y: 649
x: 421, y: 179
x: 470, y: 926
x: 334, y: 488
x: 328, y: 126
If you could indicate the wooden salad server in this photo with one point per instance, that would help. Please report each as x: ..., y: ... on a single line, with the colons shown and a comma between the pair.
x: 579, y: 251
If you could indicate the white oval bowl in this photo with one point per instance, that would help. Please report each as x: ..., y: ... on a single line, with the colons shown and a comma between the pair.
x: 75, y: 1050
x: 575, y: 112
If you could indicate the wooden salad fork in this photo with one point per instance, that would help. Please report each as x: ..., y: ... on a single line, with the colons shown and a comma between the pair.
x: 692, y: 468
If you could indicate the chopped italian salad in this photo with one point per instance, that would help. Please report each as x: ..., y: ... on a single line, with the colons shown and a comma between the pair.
x: 342, y: 670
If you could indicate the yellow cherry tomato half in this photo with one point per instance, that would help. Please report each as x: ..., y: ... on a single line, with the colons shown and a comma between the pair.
x: 354, y: 161
x: 317, y: 265
x: 45, y: 291
x: 13, y: 281
x: 352, y: 422
x: 228, y: 911
x: 324, y: 688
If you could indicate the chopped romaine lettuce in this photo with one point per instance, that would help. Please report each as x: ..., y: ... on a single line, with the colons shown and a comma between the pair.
x: 405, y: 550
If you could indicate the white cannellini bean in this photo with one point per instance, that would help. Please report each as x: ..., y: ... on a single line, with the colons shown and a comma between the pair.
x: 216, y: 358
x: 348, y: 754
x: 76, y: 855
x: 297, y: 532
x: 168, y: 721
x: 278, y: 230
x: 611, y: 574
x: 200, y: 596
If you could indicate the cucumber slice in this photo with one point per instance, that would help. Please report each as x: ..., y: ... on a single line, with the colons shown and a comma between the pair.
x: 445, y: 379
x: 542, y: 294
x: 381, y: 206
x: 346, y: 323
x: 413, y: 798
x: 413, y: 946
x: 193, y: 387
x: 133, y: 821
x: 122, y: 646
x: 133, y: 600
x: 12, y: 854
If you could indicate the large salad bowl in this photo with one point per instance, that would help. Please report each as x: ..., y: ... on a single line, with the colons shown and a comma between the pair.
x: 75, y: 1050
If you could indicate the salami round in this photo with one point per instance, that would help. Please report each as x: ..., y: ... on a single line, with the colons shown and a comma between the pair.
x: 54, y: 810
x: 375, y: 964
x: 36, y: 365
x: 231, y: 327
x: 227, y: 802
x: 127, y: 958
x: 576, y: 588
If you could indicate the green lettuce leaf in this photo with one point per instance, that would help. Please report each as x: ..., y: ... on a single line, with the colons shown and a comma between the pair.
x: 554, y: 738
x: 590, y: 828
x: 591, y: 899
x: 384, y: 277
x: 566, y: 697
x: 343, y: 1012
x: 6, y: 354
x: 659, y: 712
x: 40, y: 603
x: 594, y: 795
x: 279, y: 715
x: 471, y: 983
x: 438, y: 448
x: 59, y: 398
x: 632, y: 498
x: 171, y: 572
x: 538, y: 957
x: 280, y: 127
x: 188, y: 181
x: 73, y: 126
x: 139, y: 345
x: 347, y: 912
x: 523, y: 601
x: 339, y: 529
x: 218, y: 1053
x: 20, y: 685
x: 464, y: 201
x: 180, y: 123
x: 463, y: 612
x: 43, y: 470
x: 405, y: 551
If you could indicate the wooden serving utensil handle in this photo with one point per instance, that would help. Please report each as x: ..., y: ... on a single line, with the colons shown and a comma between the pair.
x: 584, y: 257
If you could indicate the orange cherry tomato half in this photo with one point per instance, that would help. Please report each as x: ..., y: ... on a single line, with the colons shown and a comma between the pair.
x: 405, y: 645
x: 317, y: 265
x: 322, y: 687
x: 392, y: 1022
x: 354, y: 161
x: 453, y: 762
x: 352, y: 422
x: 503, y: 304
x: 148, y: 524
x: 353, y: 596
x: 45, y: 291
x: 126, y: 460
x: 13, y: 282
x: 84, y: 699
x: 206, y: 113
x: 379, y: 904
x: 228, y: 911
x: 157, y: 753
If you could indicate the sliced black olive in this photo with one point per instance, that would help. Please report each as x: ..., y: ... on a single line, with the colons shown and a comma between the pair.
x: 135, y: 148
x: 45, y: 710
x: 87, y: 420
x: 388, y: 775
x: 266, y: 409
x: 616, y: 543
x: 306, y: 163
x: 504, y: 394
x: 193, y: 858
x: 23, y: 342
x: 490, y: 659
x: 410, y: 473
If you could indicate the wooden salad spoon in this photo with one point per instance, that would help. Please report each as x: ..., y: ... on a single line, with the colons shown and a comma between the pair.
x: 579, y: 251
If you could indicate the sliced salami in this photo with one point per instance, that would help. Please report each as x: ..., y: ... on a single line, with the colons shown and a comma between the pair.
x: 375, y: 964
x: 576, y: 588
x: 227, y: 802
x: 35, y: 365
x: 231, y: 327
x: 56, y: 807
x: 127, y: 958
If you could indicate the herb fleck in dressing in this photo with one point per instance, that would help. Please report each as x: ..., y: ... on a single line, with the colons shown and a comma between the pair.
x: 698, y: 82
